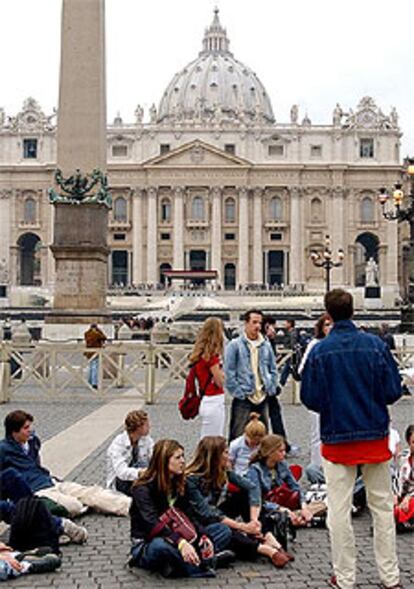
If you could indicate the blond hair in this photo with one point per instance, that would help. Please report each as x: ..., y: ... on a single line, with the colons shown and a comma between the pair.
x: 255, y: 428
x: 209, y: 340
x: 268, y: 445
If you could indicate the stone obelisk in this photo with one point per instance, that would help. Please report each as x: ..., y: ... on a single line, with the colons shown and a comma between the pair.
x: 81, y: 210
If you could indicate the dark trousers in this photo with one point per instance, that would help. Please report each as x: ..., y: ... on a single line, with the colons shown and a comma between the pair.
x: 276, y: 419
x: 160, y: 555
x: 124, y: 486
x: 240, y: 415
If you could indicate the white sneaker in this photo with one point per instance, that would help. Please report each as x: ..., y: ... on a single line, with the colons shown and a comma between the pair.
x: 77, y: 534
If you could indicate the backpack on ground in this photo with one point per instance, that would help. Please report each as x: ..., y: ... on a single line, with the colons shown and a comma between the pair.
x: 32, y: 526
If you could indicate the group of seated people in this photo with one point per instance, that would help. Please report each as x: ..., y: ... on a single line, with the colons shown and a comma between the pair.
x: 239, y: 501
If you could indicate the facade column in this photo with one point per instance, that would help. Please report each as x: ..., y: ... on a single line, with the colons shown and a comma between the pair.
x: 152, y: 235
x: 216, y: 232
x: 5, y: 236
x: 257, y: 236
x: 390, y: 276
x: 337, y: 222
x: 178, y: 244
x: 243, y: 264
x: 50, y: 259
x: 137, y: 245
x: 296, y: 238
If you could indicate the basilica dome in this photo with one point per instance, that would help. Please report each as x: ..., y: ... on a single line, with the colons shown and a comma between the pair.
x: 216, y: 87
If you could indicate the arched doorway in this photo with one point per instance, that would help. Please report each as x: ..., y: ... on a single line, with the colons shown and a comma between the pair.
x: 120, y: 268
x: 230, y: 276
x: 29, y: 246
x: 163, y: 279
x: 198, y: 261
x: 366, y: 248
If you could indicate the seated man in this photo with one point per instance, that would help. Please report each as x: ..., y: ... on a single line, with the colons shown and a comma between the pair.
x: 14, y: 563
x: 129, y: 452
x: 13, y: 488
x: 20, y: 450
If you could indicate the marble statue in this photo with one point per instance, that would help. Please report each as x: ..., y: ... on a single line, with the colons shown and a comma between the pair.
x: 294, y: 114
x: 139, y: 114
x: 371, y: 273
x: 337, y: 115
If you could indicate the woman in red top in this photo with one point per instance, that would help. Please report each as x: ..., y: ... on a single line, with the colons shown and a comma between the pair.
x: 207, y: 354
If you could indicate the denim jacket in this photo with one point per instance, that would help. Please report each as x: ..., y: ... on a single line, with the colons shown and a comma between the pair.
x: 349, y: 379
x: 240, y: 381
x: 264, y: 479
x: 205, y: 503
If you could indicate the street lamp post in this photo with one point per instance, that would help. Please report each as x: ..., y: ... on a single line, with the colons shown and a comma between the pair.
x: 325, y: 260
x: 396, y: 212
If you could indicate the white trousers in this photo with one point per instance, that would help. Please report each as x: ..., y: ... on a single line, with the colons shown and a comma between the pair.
x: 340, y: 480
x: 74, y: 497
x: 212, y: 416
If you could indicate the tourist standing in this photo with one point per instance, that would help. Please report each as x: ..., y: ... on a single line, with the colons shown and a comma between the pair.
x: 349, y: 379
x: 251, y: 374
x: 94, y: 338
x: 207, y: 356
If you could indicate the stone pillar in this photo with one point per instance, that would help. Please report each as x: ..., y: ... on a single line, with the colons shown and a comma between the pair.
x: 81, y: 133
x: 243, y: 263
x: 257, y: 236
x: 391, y: 271
x: 137, y: 245
x: 296, y: 238
x: 337, y: 223
x: 216, y: 233
x: 178, y: 244
x: 5, y: 233
x: 80, y: 230
x: 152, y: 235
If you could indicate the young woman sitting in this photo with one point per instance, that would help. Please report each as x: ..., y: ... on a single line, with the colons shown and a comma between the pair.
x: 157, y: 544
x: 242, y: 448
x: 268, y: 470
x: 207, y: 479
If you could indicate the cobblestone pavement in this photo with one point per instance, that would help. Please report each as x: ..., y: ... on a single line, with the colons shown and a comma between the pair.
x: 100, y: 563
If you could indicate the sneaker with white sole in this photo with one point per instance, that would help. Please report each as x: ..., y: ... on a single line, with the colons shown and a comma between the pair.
x: 77, y: 534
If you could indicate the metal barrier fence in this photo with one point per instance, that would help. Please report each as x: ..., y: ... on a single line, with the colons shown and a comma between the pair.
x: 54, y: 368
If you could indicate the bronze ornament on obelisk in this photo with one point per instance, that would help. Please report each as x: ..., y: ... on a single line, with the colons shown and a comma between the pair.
x: 80, y: 196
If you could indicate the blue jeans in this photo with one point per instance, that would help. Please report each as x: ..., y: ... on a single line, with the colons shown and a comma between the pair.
x: 7, y: 571
x: 93, y: 371
x: 160, y: 554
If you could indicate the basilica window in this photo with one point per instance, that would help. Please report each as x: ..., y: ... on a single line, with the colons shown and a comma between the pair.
x: 316, y: 210
x: 230, y: 148
x: 165, y: 210
x: 29, y: 213
x: 119, y: 151
x: 30, y: 149
x: 366, y: 148
x: 316, y: 151
x: 230, y: 210
x: 367, y: 210
x: 120, y: 209
x: 275, y: 209
x: 164, y: 148
x: 276, y: 150
x: 197, y: 209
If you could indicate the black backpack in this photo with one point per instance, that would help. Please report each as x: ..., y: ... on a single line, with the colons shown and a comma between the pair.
x: 32, y: 526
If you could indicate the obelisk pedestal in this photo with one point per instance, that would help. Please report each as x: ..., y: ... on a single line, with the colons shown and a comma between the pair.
x: 80, y: 198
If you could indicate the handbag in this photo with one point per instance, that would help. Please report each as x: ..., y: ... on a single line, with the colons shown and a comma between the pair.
x: 284, y: 496
x: 178, y: 522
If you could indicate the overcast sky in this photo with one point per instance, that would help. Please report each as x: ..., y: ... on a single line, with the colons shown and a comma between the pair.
x: 310, y: 52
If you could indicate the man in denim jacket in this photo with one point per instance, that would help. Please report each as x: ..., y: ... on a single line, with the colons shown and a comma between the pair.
x: 251, y: 373
x: 349, y: 379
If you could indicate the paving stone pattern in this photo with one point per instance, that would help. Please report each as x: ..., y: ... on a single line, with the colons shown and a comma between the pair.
x: 100, y: 563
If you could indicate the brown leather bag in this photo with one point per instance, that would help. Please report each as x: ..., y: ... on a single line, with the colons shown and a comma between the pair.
x: 178, y: 522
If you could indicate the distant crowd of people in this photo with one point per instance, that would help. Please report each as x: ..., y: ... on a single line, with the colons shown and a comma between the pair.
x: 237, y: 497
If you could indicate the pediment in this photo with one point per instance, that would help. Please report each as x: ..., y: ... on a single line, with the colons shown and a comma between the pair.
x: 197, y: 153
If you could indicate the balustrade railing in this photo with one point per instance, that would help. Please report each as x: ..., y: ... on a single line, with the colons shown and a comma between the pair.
x: 150, y: 369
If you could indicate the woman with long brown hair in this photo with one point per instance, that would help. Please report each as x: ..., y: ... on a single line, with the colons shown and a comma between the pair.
x: 162, y: 547
x: 207, y: 479
x: 207, y: 356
